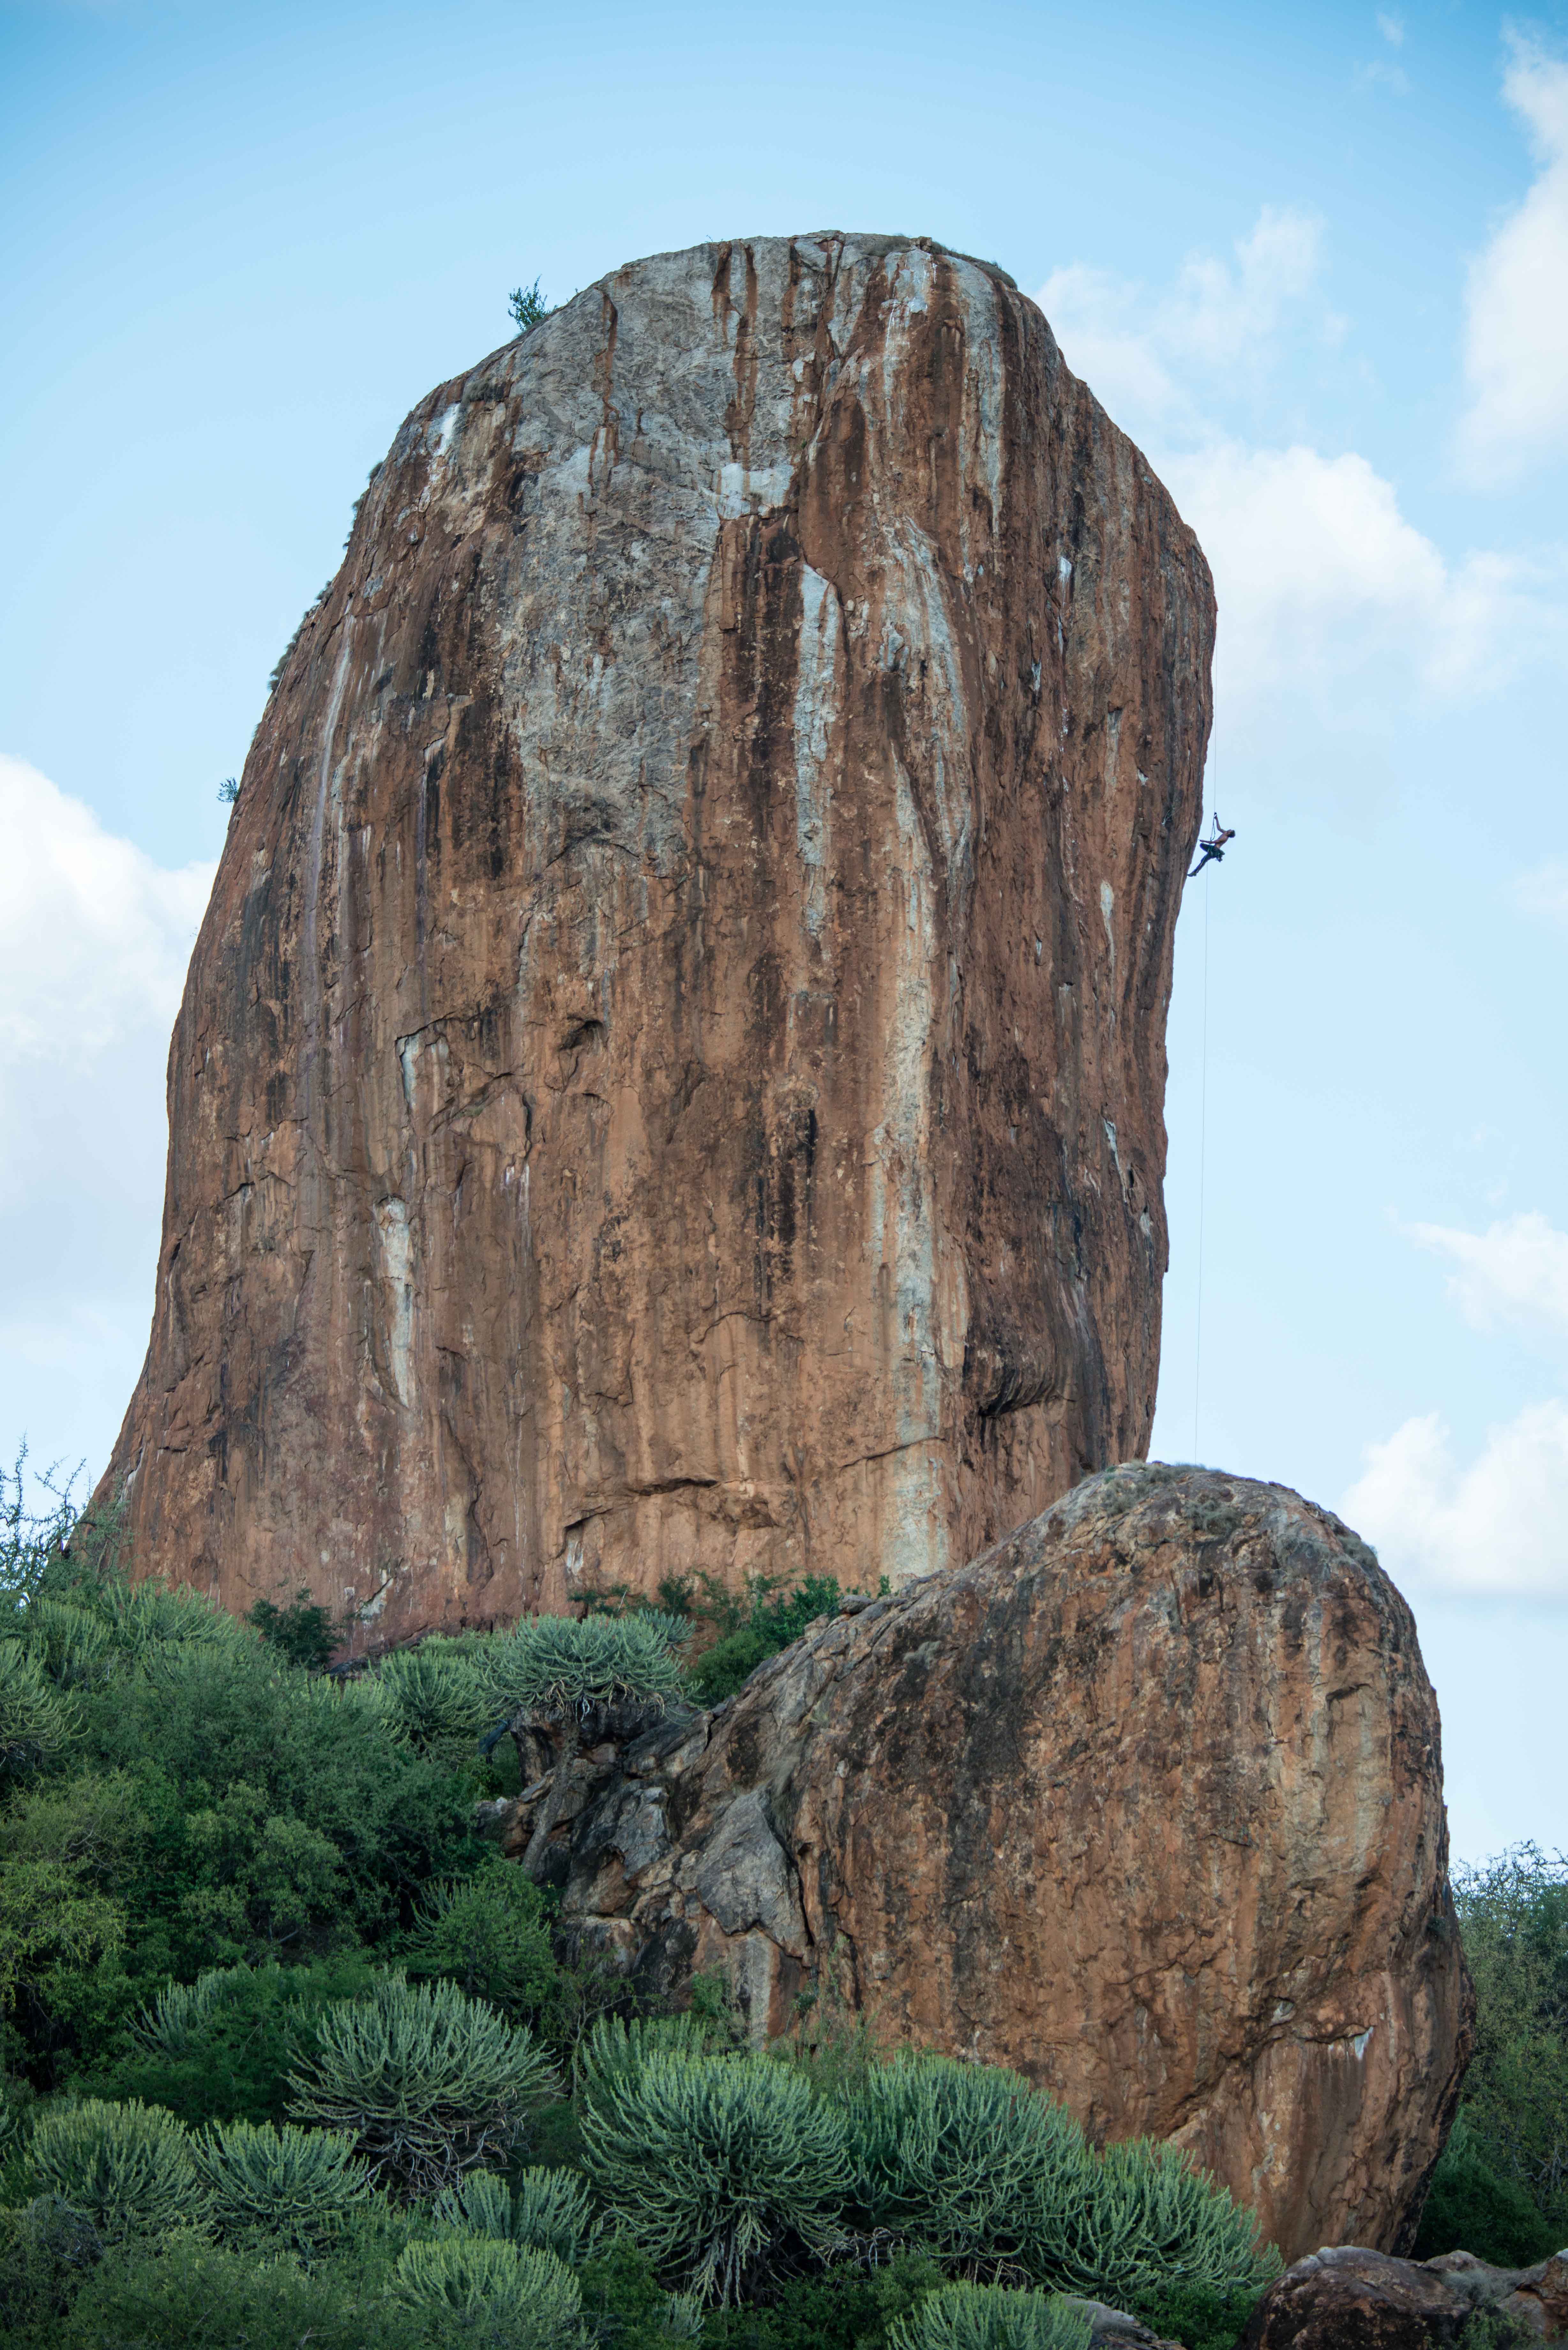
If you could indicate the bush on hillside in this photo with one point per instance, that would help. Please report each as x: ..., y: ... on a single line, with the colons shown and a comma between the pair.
x: 428, y: 2083
x: 187, y: 2293
x: 481, y: 2289
x: 434, y: 1694
x: 126, y: 2167
x: 545, y: 2210
x: 988, y: 2317
x: 221, y: 2049
x: 966, y: 2157
x: 36, y: 1720
x: 303, y: 1631
x: 287, y: 2188
x: 1149, y: 2218
x: 714, y: 2163
x: 47, y: 2249
x: 489, y: 1934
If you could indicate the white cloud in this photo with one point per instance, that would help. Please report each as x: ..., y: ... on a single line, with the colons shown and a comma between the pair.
x: 1515, y: 1272
x: 1498, y: 1527
x: 1319, y: 575
x: 94, y: 941
x: 1544, y: 891
x: 1145, y: 354
x: 1392, y: 29
x: 1516, y: 330
x: 1321, y: 578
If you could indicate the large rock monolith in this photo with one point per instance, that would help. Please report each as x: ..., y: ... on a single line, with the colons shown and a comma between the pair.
x: 671, y: 1076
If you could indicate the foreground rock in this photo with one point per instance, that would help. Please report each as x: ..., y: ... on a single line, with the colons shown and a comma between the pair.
x: 671, y: 1075
x: 1347, y: 2299
x: 1147, y: 1801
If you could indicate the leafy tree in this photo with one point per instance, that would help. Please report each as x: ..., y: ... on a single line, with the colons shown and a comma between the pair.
x: 1472, y: 2208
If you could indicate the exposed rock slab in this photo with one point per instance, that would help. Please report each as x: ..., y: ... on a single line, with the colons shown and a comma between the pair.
x: 1345, y: 2298
x: 671, y: 1075
x: 1146, y: 1802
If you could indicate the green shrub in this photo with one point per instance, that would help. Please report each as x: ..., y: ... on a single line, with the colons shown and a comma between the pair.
x: 73, y: 1646
x: 988, y: 2317
x: 528, y: 307
x: 614, y: 2045
x: 489, y: 1934
x: 966, y: 2158
x: 546, y: 2210
x: 1513, y: 1917
x: 427, y: 2082
x: 435, y: 1693
x: 1149, y: 2219
x: 303, y: 1631
x: 288, y: 2188
x: 838, y: 2308
x: 626, y: 2307
x: 711, y: 2163
x: 221, y: 2049
x: 563, y: 1665
x: 483, y: 2290
x: 1470, y: 2208
x: 1196, y: 2315
x: 36, y: 1720
x: 128, y: 2168
x: 766, y: 1622
x: 47, y: 2249
x: 189, y: 2294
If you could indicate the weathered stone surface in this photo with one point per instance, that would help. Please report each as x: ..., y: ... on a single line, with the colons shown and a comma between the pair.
x: 1345, y: 2298
x: 1147, y: 1801
x: 671, y: 1074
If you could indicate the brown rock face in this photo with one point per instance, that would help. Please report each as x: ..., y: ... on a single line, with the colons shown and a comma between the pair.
x: 1147, y: 1801
x: 671, y: 1074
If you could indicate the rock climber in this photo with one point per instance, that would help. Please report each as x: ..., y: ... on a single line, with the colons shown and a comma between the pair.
x: 1214, y: 848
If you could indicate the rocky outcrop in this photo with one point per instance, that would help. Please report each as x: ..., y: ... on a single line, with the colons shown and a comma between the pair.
x: 1147, y: 1801
x: 670, y: 1077
x: 1343, y: 2298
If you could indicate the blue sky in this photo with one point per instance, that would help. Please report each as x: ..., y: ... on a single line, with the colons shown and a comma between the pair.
x: 1316, y: 262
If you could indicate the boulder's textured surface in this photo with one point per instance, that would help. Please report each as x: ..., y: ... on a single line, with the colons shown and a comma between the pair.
x: 1345, y: 2298
x: 1147, y: 1801
x: 671, y: 1075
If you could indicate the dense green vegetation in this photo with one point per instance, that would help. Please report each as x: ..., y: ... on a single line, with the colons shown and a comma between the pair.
x: 289, y: 2051
x: 1501, y: 2189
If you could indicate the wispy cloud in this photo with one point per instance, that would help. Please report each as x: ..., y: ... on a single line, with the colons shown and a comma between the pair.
x: 1392, y: 29
x: 1515, y: 1273
x: 1516, y: 324
x: 1544, y: 890
x: 1492, y: 1527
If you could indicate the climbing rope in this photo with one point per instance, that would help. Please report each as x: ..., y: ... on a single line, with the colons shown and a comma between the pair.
x: 1202, y: 1167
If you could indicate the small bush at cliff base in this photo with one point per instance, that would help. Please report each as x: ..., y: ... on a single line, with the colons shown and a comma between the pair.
x: 1146, y: 2221
x: 487, y: 1933
x: 1195, y: 2315
x: 189, y: 2294
x: 303, y: 1631
x: 988, y: 2317
x: 964, y: 2158
x: 1470, y: 2209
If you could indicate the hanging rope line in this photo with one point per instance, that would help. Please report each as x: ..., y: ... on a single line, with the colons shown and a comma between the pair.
x: 1202, y: 1168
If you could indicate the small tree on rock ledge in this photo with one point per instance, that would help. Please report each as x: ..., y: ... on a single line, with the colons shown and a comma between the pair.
x: 556, y: 1669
